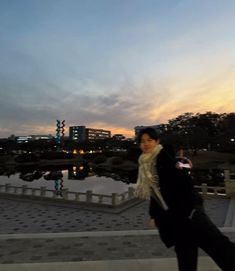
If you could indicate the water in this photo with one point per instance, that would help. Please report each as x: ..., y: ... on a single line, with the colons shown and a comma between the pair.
x: 82, y: 178
x: 75, y: 179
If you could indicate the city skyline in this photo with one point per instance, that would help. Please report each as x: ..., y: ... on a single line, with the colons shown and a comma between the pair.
x: 113, y: 65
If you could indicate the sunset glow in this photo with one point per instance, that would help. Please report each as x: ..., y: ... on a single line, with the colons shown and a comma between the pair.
x: 113, y: 64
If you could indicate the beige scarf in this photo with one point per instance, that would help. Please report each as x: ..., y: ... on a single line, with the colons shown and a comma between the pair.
x: 147, y: 182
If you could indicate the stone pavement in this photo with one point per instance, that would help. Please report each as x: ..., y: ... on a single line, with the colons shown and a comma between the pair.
x: 159, y: 264
x: 84, y: 246
x: 36, y: 236
x: 22, y: 216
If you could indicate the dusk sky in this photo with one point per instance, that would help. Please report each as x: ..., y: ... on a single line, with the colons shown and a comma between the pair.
x: 113, y: 64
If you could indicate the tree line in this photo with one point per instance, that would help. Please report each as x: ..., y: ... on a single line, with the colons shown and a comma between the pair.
x: 209, y: 130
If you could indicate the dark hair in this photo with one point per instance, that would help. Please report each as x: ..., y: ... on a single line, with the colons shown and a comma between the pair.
x: 179, y: 148
x: 151, y: 132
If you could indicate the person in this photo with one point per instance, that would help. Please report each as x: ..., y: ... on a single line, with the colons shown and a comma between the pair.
x: 184, y: 161
x: 176, y: 208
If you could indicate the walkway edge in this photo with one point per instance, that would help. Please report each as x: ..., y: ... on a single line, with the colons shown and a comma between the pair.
x: 161, y: 264
x: 230, y: 217
x: 89, y: 234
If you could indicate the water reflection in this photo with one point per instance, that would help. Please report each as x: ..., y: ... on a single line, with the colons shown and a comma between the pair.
x: 53, y: 175
x: 213, y: 177
x: 29, y: 177
x: 80, y: 172
x: 75, y: 178
x: 59, y: 184
x: 119, y: 175
x: 75, y: 172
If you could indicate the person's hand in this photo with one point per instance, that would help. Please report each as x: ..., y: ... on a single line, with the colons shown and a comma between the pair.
x: 152, y: 224
x: 178, y: 165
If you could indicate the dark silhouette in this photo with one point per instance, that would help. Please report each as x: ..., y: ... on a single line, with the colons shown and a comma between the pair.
x: 177, y: 209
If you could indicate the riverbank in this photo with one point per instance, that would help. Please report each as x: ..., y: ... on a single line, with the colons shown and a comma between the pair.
x: 203, y: 159
x: 11, y: 162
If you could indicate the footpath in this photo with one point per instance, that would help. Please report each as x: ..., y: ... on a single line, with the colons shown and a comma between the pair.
x: 41, y: 237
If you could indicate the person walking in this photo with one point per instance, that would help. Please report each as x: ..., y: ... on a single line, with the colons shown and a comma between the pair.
x: 176, y: 208
x: 181, y: 158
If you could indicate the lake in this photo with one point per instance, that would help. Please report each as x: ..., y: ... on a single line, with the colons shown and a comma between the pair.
x: 80, y: 178
x: 74, y: 178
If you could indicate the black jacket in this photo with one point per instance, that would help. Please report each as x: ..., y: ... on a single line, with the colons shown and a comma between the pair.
x: 177, y: 189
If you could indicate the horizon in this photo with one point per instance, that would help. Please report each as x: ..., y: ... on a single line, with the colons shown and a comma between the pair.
x: 126, y: 136
x: 113, y: 65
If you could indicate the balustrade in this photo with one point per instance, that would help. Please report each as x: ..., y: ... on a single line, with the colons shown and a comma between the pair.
x: 89, y: 197
x: 229, y: 180
x: 114, y: 199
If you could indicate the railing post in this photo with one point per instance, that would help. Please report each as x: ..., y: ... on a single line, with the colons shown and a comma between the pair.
x: 54, y: 194
x: 226, y: 175
x: 7, y: 187
x: 100, y: 199
x: 65, y: 194
x: 131, y: 192
x: 34, y: 191
x: 77, y: 196
x: 89, y: 196
x: 229, y: 183
x: 123, y: 195
x: 114, y: 199
x: 24, y: 189
x: 42, y: 191
x: 204, y: 188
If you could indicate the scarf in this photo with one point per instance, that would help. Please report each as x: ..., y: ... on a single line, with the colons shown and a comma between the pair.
x: 147, y: 182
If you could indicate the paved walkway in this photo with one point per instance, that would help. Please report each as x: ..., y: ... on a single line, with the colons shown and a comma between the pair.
x: 84, y: 246
x: 42, y: 237
x: 204, y: 264
x: 17, y: 216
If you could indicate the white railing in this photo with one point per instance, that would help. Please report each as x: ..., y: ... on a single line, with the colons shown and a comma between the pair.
x: 229, y: 180
x: 114, y: 199
x: 206, y: 190
x: 228, y: 175
x: 228, y: 189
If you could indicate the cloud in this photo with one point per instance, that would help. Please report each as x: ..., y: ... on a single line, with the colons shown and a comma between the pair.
x: 130, y: 104
x: 71, y: 62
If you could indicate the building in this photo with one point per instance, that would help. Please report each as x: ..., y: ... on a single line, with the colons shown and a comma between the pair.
x: 42, y: 137
x: 23, y: 139
x: 26, y: 139
x: 81, y: 133
x: 95, y: 134
x: 77, y: 133
x: 118, y: 137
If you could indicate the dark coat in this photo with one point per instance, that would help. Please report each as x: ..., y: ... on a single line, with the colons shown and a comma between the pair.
x: 179, y: 194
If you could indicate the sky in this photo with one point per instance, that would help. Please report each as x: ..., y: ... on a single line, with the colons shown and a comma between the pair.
x: 113, y: 64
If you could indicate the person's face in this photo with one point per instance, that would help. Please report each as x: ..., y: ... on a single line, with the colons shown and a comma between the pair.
x: 148, y: 144
x: 180, y: 153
